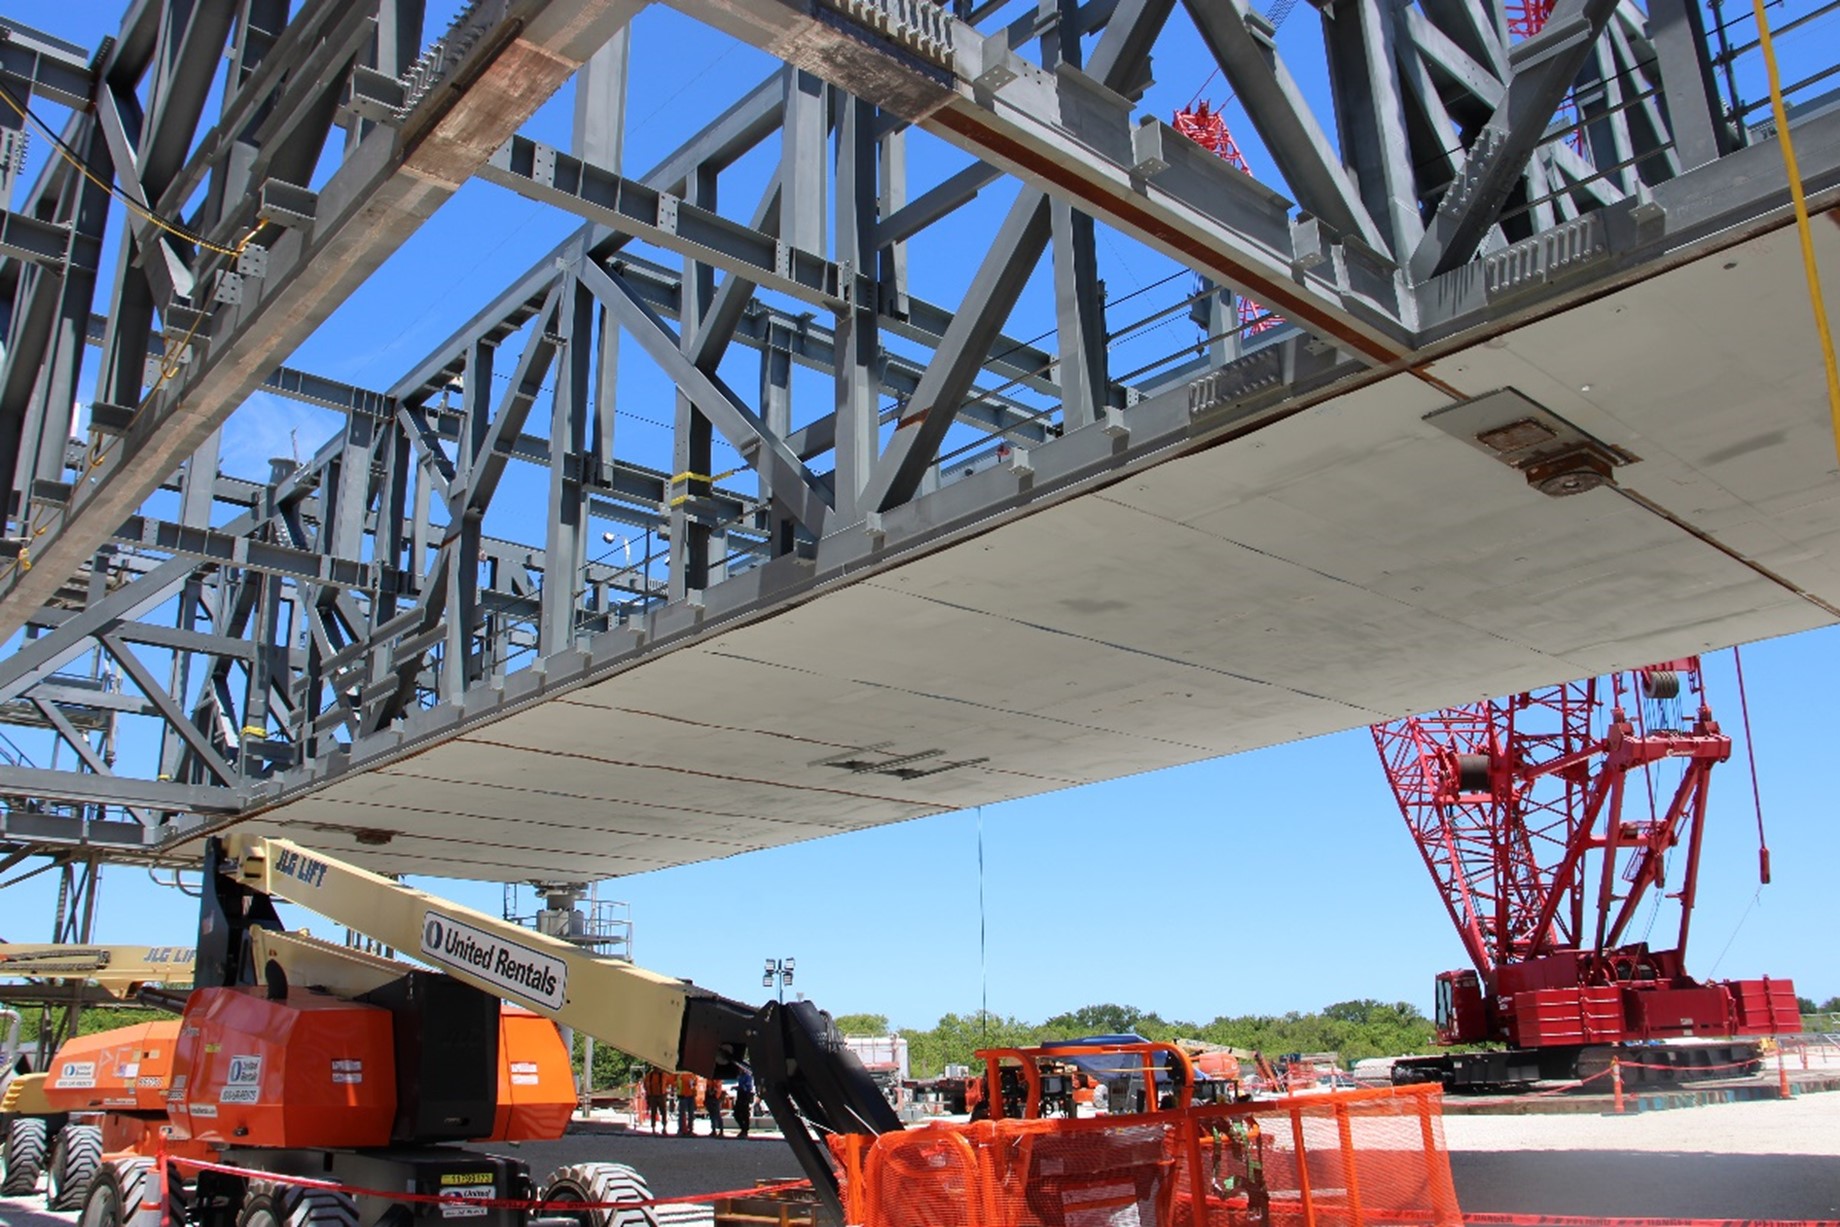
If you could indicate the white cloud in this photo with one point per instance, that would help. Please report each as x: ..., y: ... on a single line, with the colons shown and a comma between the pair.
x: 265, y: 427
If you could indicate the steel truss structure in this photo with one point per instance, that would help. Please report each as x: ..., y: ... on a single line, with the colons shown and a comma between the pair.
x: 281, y: 632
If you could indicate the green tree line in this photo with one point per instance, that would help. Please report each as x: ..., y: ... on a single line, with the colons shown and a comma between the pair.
x: 1355, y: 1029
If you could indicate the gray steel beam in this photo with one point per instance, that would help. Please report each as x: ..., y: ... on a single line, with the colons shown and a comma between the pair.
x: 1079, y: 303
x: 1135, y: 180
x: 54, y: 69
x: 72, y: 738
x: 1362, y: 39
x: 745, y: 432
x: 801, y: 168
x: 936, y: 203
x: 1079, y: 307
x: 1241, y: 43
x: 629, y: 207
x: 1694, y: 113
x: 1008, y: 264
x: 107, y: 790
x: 245, y: 552
x: 1544, y: 68
x: 175, y: 718
x: 857, y: 388
x: 568, y: 498
x: 47, y: 244
x: 389, y: 184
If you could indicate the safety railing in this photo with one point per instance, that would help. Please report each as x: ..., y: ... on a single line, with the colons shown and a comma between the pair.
x: 1349, y: 1157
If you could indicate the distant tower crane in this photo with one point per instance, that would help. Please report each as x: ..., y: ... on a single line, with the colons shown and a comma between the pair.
x: 1521, y: 810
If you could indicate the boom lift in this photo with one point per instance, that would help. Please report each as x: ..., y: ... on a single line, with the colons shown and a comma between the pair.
x: 1521, y: 809
x: 263, y: 1103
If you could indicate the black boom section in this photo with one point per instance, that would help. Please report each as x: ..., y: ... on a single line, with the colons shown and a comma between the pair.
x: 811, y: 1081
x: 446, y: 1037
x: 227, y: 911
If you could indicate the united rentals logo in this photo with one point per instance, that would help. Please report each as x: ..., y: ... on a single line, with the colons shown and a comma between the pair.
x: 505, y: 965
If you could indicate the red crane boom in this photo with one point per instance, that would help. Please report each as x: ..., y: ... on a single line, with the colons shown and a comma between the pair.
x: 1521, y: 808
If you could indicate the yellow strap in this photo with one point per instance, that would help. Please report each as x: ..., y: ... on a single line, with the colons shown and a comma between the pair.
x: 681, y: 478
x: 1822, y: 332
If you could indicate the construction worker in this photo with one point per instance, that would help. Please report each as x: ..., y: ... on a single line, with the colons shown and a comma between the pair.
x: 686, y: 1104
x: 744, y: 1101
x: 712, y: 1104
x: 657, y: 1092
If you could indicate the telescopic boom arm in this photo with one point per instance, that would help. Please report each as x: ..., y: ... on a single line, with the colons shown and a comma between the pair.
x: 805, y: 1075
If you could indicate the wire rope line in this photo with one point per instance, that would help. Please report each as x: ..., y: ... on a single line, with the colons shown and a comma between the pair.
x: 173, y: 360
x: 133, y: 206
x: 1750, y: 752
x: 983, y: 948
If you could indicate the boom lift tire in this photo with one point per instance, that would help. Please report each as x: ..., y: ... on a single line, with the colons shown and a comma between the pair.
x: 117, y: 1196
x: 293, y: 1207
x: 76, y: 1157
x: 599, y: 1182
x: 22, y: 1161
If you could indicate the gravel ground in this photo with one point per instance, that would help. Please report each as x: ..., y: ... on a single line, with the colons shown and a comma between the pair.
x: 1765, y: 1159
x: 1806, y: 1126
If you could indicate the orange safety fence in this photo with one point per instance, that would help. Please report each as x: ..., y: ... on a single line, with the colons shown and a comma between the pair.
x: 1341, y: 1159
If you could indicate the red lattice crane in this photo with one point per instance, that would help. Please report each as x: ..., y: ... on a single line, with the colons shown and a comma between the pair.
x: 1205, y: 126
x: 1523, y: 811
x: 1528, y: 17
x: 1525, y: 19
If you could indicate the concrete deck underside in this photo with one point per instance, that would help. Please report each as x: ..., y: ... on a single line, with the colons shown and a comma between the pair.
x: 1348, y: 564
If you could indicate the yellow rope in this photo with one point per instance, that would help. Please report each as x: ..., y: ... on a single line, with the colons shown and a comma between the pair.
x: 170, y: 361
x: 1822, y: 331
x: 145, y: 214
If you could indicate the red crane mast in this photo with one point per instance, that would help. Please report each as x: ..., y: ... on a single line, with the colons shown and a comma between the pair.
x: 1522, y: 810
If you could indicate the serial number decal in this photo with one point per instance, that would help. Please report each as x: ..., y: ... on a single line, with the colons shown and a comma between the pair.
x: 473, y: 1186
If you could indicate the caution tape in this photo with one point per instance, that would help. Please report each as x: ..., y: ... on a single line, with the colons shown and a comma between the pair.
x: 1487, y: 1219
x: 1591, y: 1220
x: 478, y: 1203
x: 1691, y: 1069
x: 1623, y: 1064
x: 1570, y: 1086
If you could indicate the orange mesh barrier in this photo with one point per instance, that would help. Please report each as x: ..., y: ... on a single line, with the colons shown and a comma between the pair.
x: 1344, y: 1159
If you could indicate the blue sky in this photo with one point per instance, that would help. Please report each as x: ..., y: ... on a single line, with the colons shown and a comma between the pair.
x: 1262, y: 883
